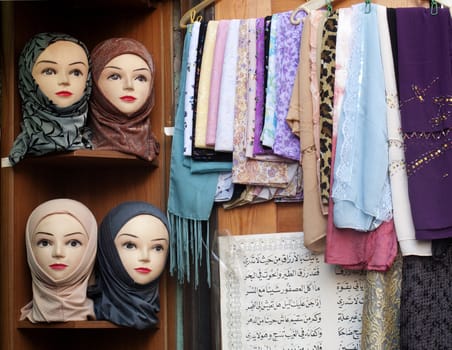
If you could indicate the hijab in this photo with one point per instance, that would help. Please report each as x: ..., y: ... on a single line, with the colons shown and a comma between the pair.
x: 111, y: 128
x: 65, y: 299
x: 117, y: 297
x: 45, y: 127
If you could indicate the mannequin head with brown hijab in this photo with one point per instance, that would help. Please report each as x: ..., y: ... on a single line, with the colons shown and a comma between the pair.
x: 123, y: 97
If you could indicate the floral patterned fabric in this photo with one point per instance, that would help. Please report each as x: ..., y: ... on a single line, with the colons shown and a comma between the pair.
x: 249, y: 171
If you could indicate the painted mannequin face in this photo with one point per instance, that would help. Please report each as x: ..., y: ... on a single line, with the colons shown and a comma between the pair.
x: 61, y: 71
x: 58, y: 244
x: 126, y: 82
x: 142, y: 245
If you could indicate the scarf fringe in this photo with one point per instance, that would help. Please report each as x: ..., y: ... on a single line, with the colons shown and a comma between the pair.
x: 186, y: 247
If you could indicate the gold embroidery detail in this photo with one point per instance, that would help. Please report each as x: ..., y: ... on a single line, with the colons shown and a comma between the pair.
x: 427, y: 157
x: 426, y: 134
x: 418, y: 92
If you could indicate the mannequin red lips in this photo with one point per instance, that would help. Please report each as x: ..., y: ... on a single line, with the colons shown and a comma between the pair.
x: 128, y: 98
x: 64, y: 93
x: 143, y: 270
x: 58, y: 266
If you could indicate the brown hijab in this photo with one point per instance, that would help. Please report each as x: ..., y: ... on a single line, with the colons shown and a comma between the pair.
x: 111, y: 128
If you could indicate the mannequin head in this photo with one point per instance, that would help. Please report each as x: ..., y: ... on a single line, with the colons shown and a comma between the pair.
x: 134, y: 241
x: 55, y: 74
x: 142, y: 245
x: 123, y: 72
x: 54, y: 86
x: 61, y: 242
x: 126, y: 82
x: 58, y: 244
x: 132, y: 252
x: 123, y: 98
x: 61, y: 238
x: 61, y: 72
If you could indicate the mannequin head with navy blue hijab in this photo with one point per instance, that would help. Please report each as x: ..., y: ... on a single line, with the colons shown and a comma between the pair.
x: 132, y: 252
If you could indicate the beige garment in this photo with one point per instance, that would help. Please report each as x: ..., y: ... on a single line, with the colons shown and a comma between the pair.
x: 293, y: 114
x: 202, y: 107
x: 65, y: 299
x: 314, y: 222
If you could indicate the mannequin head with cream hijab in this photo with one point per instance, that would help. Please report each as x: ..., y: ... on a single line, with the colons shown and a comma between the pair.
x: 61, y: 244
x: 123, y: 97
x: 132, y: 253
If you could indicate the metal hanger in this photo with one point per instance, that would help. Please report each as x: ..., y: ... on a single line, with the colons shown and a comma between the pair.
x: 191, y: 14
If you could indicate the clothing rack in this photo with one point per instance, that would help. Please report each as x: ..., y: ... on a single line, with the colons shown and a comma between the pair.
x: 317, y: 4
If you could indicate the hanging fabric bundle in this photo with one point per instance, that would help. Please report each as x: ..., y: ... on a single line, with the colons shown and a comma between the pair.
x: 191, y: 196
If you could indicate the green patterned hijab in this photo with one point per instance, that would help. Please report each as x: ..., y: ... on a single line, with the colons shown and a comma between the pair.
x: 46, y: 127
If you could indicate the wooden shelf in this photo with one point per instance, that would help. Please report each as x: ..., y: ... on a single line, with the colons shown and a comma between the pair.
x: 99, y: 179
x: 26, y: 324
x: 70, y: 324
x: 86, y: 157
x: 109, y: 4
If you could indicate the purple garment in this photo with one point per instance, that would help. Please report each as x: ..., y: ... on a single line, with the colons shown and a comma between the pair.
x: 286, y: 144
x: 425, y: 84
x: 258, y: 148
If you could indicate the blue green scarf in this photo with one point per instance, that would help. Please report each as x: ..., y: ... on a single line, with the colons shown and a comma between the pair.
x: 191, y: 196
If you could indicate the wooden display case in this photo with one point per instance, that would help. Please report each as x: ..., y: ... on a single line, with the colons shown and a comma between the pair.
x: 99, y: 179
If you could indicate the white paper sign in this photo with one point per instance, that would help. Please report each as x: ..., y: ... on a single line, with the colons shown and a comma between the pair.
x: 277, y: 295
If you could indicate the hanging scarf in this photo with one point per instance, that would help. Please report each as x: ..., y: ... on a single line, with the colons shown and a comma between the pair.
x: 263, y: 26
x: 245, y: 170
x: 403, y: 220
x: 374, y: 250
x: 205, y: 75
x: 286, y: 144
x: 425, y: 82
x: 190, y: 98
x: 224, y: 135
x: 214, y: 95
x: 425, y: 307
x: 267, y: 136
x: 190, y: 198
x: 61, y: 300
x: 45, y: 127
x: 204, y: 60
x: 361, y: 191
x: 111, y: 128
x: 314, y: 222
x: 326, y: 89
x: 117, y: 297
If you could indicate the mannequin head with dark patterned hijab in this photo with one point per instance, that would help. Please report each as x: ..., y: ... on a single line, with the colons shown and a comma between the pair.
x: 61, y: 244
x: 54, y: 86
x: 123, y: 97
x: 132, y: 252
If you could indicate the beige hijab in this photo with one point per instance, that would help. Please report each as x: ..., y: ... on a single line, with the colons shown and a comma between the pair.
x: 65, y: 299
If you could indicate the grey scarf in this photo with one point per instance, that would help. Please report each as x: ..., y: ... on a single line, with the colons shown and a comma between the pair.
x: 45, y: 127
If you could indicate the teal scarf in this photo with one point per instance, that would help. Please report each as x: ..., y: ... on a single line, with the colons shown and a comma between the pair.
x: 191, y: 196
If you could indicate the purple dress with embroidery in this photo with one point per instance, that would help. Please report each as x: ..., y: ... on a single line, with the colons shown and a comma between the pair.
x: 425, y: 84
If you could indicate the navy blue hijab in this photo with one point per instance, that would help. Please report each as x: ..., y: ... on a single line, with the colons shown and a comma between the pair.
x: 117, y: 297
